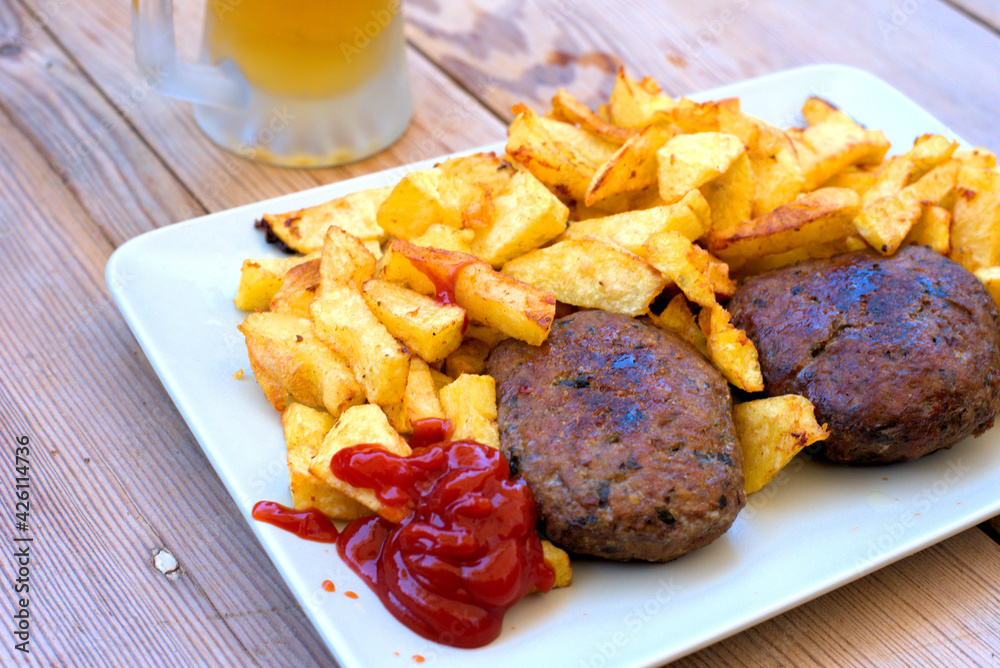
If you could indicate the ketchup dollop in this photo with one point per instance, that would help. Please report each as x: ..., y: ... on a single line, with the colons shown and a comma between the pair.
x: 310, y: 524
x: 466, y: 549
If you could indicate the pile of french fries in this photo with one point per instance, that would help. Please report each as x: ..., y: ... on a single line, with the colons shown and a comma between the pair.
x: 398, y: 294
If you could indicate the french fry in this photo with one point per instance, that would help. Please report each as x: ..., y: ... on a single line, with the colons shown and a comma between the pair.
x: 932, y: 229
x: 771, y: 432
x: 560, y: 155
x: 567, y: 108
x: 260, y: 280
x: 526, y: 215
x: 290, y: 363
x: 632, y: 229
x: 470, y: 357
x: 730, y: 350
x: 378, y: 361
x: 730, y: 196
x: 677, y: 318
x: 428, y: 328
x: 421, y: 400
x: 686, y: 162
x: 683, y: 263
x: 297, y: 290
x: 305, y: 229
x: 344, y: 259
x: 592, y: 273
x: 470, y: 404
x: 975, y: 222
x: 359, y: 425
x: 634, y: 105
x: 445, y: 238
x: 818, y: 217
x: 305, y: 429
x: 633, y: 167
x: 886, y: 222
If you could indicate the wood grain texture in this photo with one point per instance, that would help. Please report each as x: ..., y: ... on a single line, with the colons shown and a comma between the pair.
x: 447, y: 118
x: 524, y: 51
x: 115, y: 474
x: 105, y: 165
x: 904, y: 615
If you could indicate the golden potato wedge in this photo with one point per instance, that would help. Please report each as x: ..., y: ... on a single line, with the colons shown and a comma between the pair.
x: 297, y: 290
x: 692, y: 117
x: 421, y: 400
x: 990, y: 276
x: 484, y: 176
x: 976, y: 157
x: 686, y: 162
x: 488, y: 297
x: 730, y: 196
x: 818, y: 217
x: 975, y: 221
x: 683, y: 263
x: 730, y: 350
x: 425, y: 326
x: 470, y: 404
x: 634, y: 104
x: 398, y: 267
x: 445, y: 238
x: 560, y: 155
x: 677, y: 318
x: 305, y: 429
x: 857, y: 179
x: 756, y: 265
x: 290, y: 363
x: 470, y: 357
x: 344, y: 259
x: 305, y: 229
x: 346, y: 324
x: 260, y: 280
x: 633, y: 167
x: 422, y: 198
x: 519, y: 310
x: 833, y: 143
x: 886, y: 222
x: 590, y: 272
x: 567, y: 108
x: 526, y: 216
x: 558, y: 560
x: 777, y: 175
x: 359, y: 425
x: 771, y: 432
x: 892, y: 178
x: 932, y: 229
x: 929, y: 151
x: 632, y: 229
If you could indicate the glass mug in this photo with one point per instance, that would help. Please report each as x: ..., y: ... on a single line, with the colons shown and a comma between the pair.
x: 302, y: 83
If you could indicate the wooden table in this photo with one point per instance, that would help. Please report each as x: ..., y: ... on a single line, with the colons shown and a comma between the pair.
x: 91, y: 158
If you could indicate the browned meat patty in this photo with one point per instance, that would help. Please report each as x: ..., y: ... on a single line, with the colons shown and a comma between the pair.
x: 624, y: 434
x: 900, y: 355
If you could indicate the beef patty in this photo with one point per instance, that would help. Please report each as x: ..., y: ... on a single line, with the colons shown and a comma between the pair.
x: 900, y: 355
x: 624, y: 434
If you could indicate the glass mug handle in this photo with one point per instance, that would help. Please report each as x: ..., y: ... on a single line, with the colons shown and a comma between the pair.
x: 222, y: 86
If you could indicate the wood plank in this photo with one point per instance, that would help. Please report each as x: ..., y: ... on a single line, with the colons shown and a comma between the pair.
x: 115, y: 474
x: 987, y: 11
x: 447, y: 118
x: 105, y: 164
x: 523, y: 52
x: 938, y: 607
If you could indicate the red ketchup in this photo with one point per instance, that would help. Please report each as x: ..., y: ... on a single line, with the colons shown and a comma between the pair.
x: 466, y: 549
x: 443, y: 276
x: 310, y: 524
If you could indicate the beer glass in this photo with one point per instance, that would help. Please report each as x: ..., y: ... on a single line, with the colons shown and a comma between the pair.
x: 290, y: 82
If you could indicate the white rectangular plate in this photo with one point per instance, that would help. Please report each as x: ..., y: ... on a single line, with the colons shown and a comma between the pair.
x: 815, y: 528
